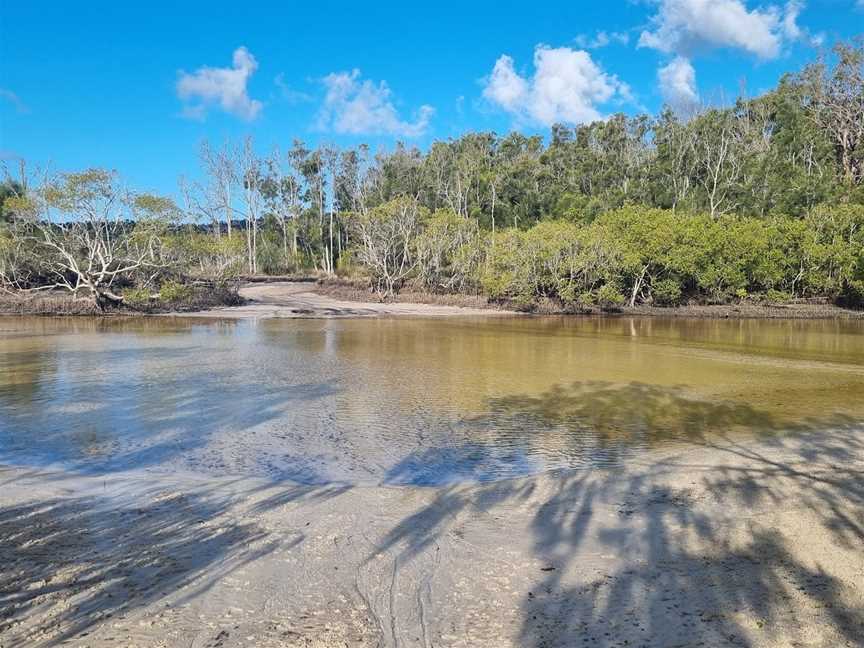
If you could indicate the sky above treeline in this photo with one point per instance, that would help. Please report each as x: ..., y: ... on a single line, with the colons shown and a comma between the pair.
x: 137, y: 86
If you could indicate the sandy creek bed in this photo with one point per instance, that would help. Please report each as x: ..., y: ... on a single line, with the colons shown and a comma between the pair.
x: 756, y: 545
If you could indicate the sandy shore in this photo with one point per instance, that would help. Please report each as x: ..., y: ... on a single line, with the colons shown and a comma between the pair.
x: 721, y: 544
x: 299, y: 299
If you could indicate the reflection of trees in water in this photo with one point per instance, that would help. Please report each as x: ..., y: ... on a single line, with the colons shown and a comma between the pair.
x: 601, y: 423
x: 609, y: 414
x: 31, y: 360
x: 23, y: 327
x: 23, y: 376
x: 585, y: 424
x: 581, y: 424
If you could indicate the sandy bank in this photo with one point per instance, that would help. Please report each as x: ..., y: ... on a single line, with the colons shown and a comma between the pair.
x: 722, y: 544
x: 299, y: 299
x: 296, y: 299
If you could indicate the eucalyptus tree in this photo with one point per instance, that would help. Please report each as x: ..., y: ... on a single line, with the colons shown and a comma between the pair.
x: 281, y: 192
x: 385, y: 237
x: 214, y: 198
x: 521, y: 197
x: 395, y: 173
x: 455, y: 172
x: 330, y: 157
x: 312, y: 166
x: 799, y: 161
x: 673, y: 169
x: 251, y: 175
x: 717, y: 154
x: 836, y: 105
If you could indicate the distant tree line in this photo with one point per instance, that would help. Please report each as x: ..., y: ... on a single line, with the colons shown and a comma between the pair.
x: 764, y: 197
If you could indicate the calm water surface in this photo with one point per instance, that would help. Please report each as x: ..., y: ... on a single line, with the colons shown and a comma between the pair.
x: 421, y: 401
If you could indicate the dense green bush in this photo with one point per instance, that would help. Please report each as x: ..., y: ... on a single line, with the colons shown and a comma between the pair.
x: 641, y: 255
x: 666, y: 292
x: 137, y: 298
x: 608, y: 296
x: 172, y: 291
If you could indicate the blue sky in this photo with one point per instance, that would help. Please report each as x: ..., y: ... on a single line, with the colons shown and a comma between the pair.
x: 137, y: 86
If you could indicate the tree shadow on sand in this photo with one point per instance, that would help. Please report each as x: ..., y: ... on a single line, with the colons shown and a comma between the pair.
x: 702, y: 562
x: 70, y: 564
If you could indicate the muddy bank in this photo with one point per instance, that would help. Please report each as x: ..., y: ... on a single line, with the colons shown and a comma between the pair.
x: 743, y: 310
x: 751, y: 310
x: 60, y: 302
x: 722, y: 544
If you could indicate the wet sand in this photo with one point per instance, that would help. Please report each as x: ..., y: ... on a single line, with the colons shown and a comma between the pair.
x: 721, y: 544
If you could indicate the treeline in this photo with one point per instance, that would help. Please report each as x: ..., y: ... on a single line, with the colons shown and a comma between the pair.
x: 761, y: 198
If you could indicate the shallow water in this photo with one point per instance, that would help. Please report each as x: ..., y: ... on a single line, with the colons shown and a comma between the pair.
x: 419, y: 401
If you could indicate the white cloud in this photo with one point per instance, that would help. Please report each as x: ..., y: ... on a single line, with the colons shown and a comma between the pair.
x: 361, y: 107
x: 505, y: 87
x: 602, y: 39
x: 567, y: 87
x: 289, y: 94
x: 678, y: 83
x: 225, y: 87
x: 685, y: 27
x: 790, y: 27
x: 15, y: 100
x: 793, y: 31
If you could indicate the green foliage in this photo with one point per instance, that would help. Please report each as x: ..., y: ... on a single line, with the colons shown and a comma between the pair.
x: 173, y: 291
x: 137, y: 298
x: 555, y: 259
x: 661, y: 256
x: 201, y: 254
x: 11, y: 192
x: 608, y: 296
x: 666, y: 292
x: 777, y: 296
x: 272, y: 259
x: 447, y: 252
x: 509, y: 270
x: 348, y: 266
